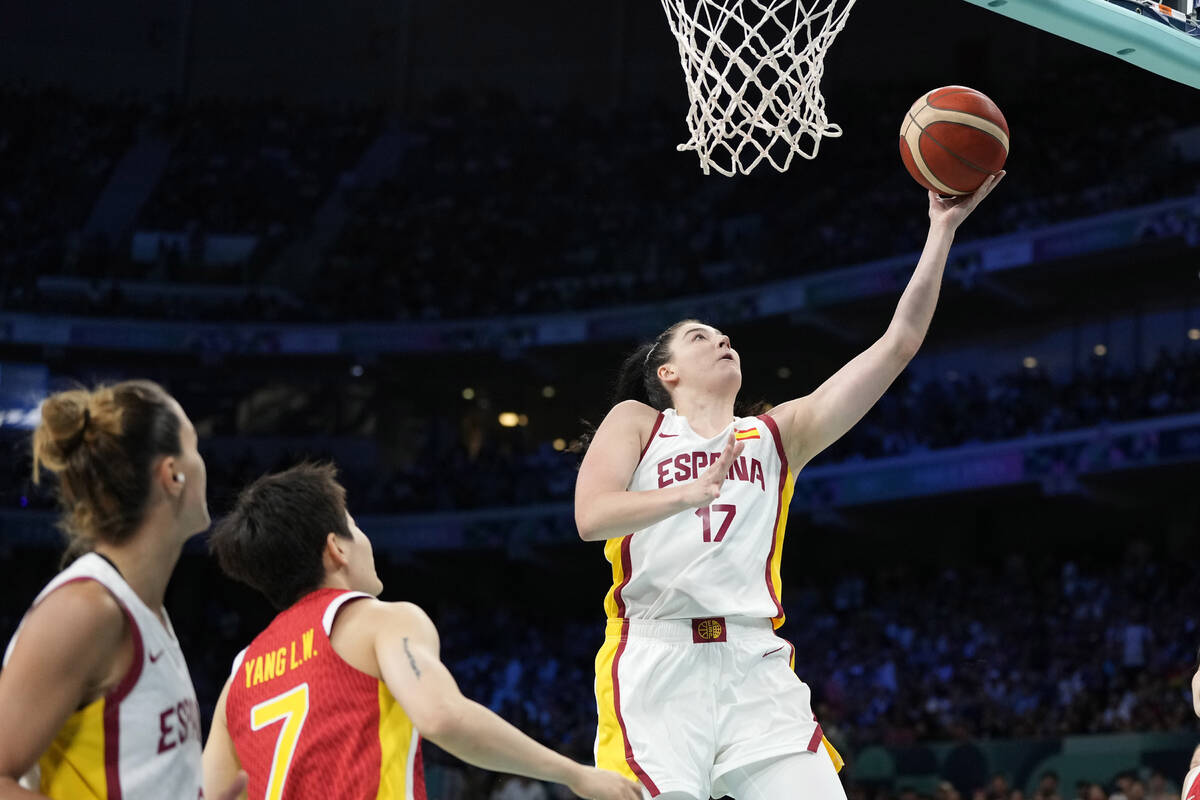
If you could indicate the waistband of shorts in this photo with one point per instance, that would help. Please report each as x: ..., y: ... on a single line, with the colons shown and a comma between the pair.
x: 683, y: 630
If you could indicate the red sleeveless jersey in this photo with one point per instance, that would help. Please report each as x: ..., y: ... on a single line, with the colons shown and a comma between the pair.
x: 308, y: 726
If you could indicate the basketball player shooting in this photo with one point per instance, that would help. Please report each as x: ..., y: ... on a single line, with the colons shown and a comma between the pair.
x: 332, y: 699
x: 697, y: 695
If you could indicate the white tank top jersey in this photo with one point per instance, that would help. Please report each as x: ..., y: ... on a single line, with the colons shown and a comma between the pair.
x: 720, y: 560
x: 141, y: 740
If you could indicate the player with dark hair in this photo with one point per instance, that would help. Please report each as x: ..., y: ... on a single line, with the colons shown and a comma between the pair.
x: 696, y: 693
x: 95, y: 698
x: 337, y: 692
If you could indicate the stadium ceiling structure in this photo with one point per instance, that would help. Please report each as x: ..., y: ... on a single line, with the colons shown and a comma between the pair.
x: 1162, y: 38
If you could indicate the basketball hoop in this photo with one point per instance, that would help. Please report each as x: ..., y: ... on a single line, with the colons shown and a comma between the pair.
x: 753, y: 70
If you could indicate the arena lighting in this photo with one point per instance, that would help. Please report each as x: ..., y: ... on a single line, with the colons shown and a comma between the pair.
x: 1029, y: 362
x: 1100, y: 350
x: 784, y: 373
x: 560, y: 444
x: 522, y: 420
x: 548, y: 392
x: 357, y: 370
x: 1194, y: 334
x: 509, y: 419
x: 468, y: 393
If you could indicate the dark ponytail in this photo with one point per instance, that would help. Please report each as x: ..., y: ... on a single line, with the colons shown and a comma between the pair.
x: 637, y: 379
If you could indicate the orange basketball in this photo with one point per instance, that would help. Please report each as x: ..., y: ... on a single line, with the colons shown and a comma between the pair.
x: 952, y: 139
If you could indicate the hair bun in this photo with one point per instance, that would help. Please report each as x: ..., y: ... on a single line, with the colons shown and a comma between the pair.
x: 64, y: 423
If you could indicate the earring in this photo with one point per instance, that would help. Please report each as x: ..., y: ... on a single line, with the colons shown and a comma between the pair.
x: 179, y: 477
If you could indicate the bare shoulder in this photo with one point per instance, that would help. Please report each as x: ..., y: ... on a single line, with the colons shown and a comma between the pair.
x: 633, y: 412
x: 83, y: 613
x: 794, y: 418
x: 404, y: 617
x: 365, y: 625
x: 628, y: 420
x: 77, y: 630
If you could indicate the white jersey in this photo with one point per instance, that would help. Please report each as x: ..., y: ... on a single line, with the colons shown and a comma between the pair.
x: 142, y: 739
x: 720, y: 560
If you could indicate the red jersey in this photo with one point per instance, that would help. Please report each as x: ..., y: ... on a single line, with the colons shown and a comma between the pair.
x: 308, y: 726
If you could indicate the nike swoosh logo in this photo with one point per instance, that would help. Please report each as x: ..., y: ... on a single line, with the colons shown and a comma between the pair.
x: 667, y: 435
x: 776, y: 650
x: 154, y: 657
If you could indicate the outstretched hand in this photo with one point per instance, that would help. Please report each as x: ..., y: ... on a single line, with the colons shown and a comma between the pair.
x: 707, y: 487
x: 951, y: 211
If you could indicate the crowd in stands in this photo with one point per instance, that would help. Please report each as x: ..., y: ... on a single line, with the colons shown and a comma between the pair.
x: 260, y: 169
x: 501, y: 211
x: 917, y: 415
x: 1148, y: 784
x: 512, y: 467
x: 57, y: 151
x: 496, y: 209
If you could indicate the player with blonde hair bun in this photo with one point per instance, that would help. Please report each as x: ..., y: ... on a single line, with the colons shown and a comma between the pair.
x: 95, y: 697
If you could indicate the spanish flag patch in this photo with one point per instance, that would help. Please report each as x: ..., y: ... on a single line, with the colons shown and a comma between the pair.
x: 749, y: 433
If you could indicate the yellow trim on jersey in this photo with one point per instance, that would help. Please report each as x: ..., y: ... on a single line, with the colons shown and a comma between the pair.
x: 73, y: 765
x: 834, y: 755
x: 612, y: 551
x: 777, y: 556
x: 610, y: 740
x: 396, y: 740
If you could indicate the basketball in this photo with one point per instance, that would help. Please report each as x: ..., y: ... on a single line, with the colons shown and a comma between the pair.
x: 952, y: 139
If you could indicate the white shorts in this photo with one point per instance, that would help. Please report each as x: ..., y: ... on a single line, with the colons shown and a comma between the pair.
x: 683, y: 702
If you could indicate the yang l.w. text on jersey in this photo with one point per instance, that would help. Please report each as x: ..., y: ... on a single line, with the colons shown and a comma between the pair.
x: 307, y: 725
x: 719, y: 560
x: 142, y: 739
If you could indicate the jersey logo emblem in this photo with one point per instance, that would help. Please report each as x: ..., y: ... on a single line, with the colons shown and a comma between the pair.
x: 749, y: 433
x: 667, y: 435
x: 154, y: 657
x: 708, y: 629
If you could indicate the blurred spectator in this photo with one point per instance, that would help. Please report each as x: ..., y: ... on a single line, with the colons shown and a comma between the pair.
x: 516, y: 787
x: 1047, y: 788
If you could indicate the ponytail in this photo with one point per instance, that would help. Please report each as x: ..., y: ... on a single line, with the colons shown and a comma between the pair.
x: 637, y: 379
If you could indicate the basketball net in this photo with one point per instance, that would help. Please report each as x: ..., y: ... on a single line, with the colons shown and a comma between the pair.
x: 753, y: 70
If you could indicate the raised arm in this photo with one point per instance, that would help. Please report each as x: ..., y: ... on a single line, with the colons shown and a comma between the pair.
x: 604, y: 508
x: 406, y: 647
x: 810, y: 424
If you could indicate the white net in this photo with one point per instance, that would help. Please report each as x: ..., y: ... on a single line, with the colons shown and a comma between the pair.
x: 753, y: 70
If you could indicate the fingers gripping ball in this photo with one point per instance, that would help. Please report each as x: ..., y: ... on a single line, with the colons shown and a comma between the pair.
x: 952, y: 139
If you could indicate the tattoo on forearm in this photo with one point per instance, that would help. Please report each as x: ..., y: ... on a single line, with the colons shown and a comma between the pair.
x: 412, y: 662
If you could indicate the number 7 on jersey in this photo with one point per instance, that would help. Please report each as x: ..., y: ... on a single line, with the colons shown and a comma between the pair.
x: 705, y: 515
x: 292, y: 708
